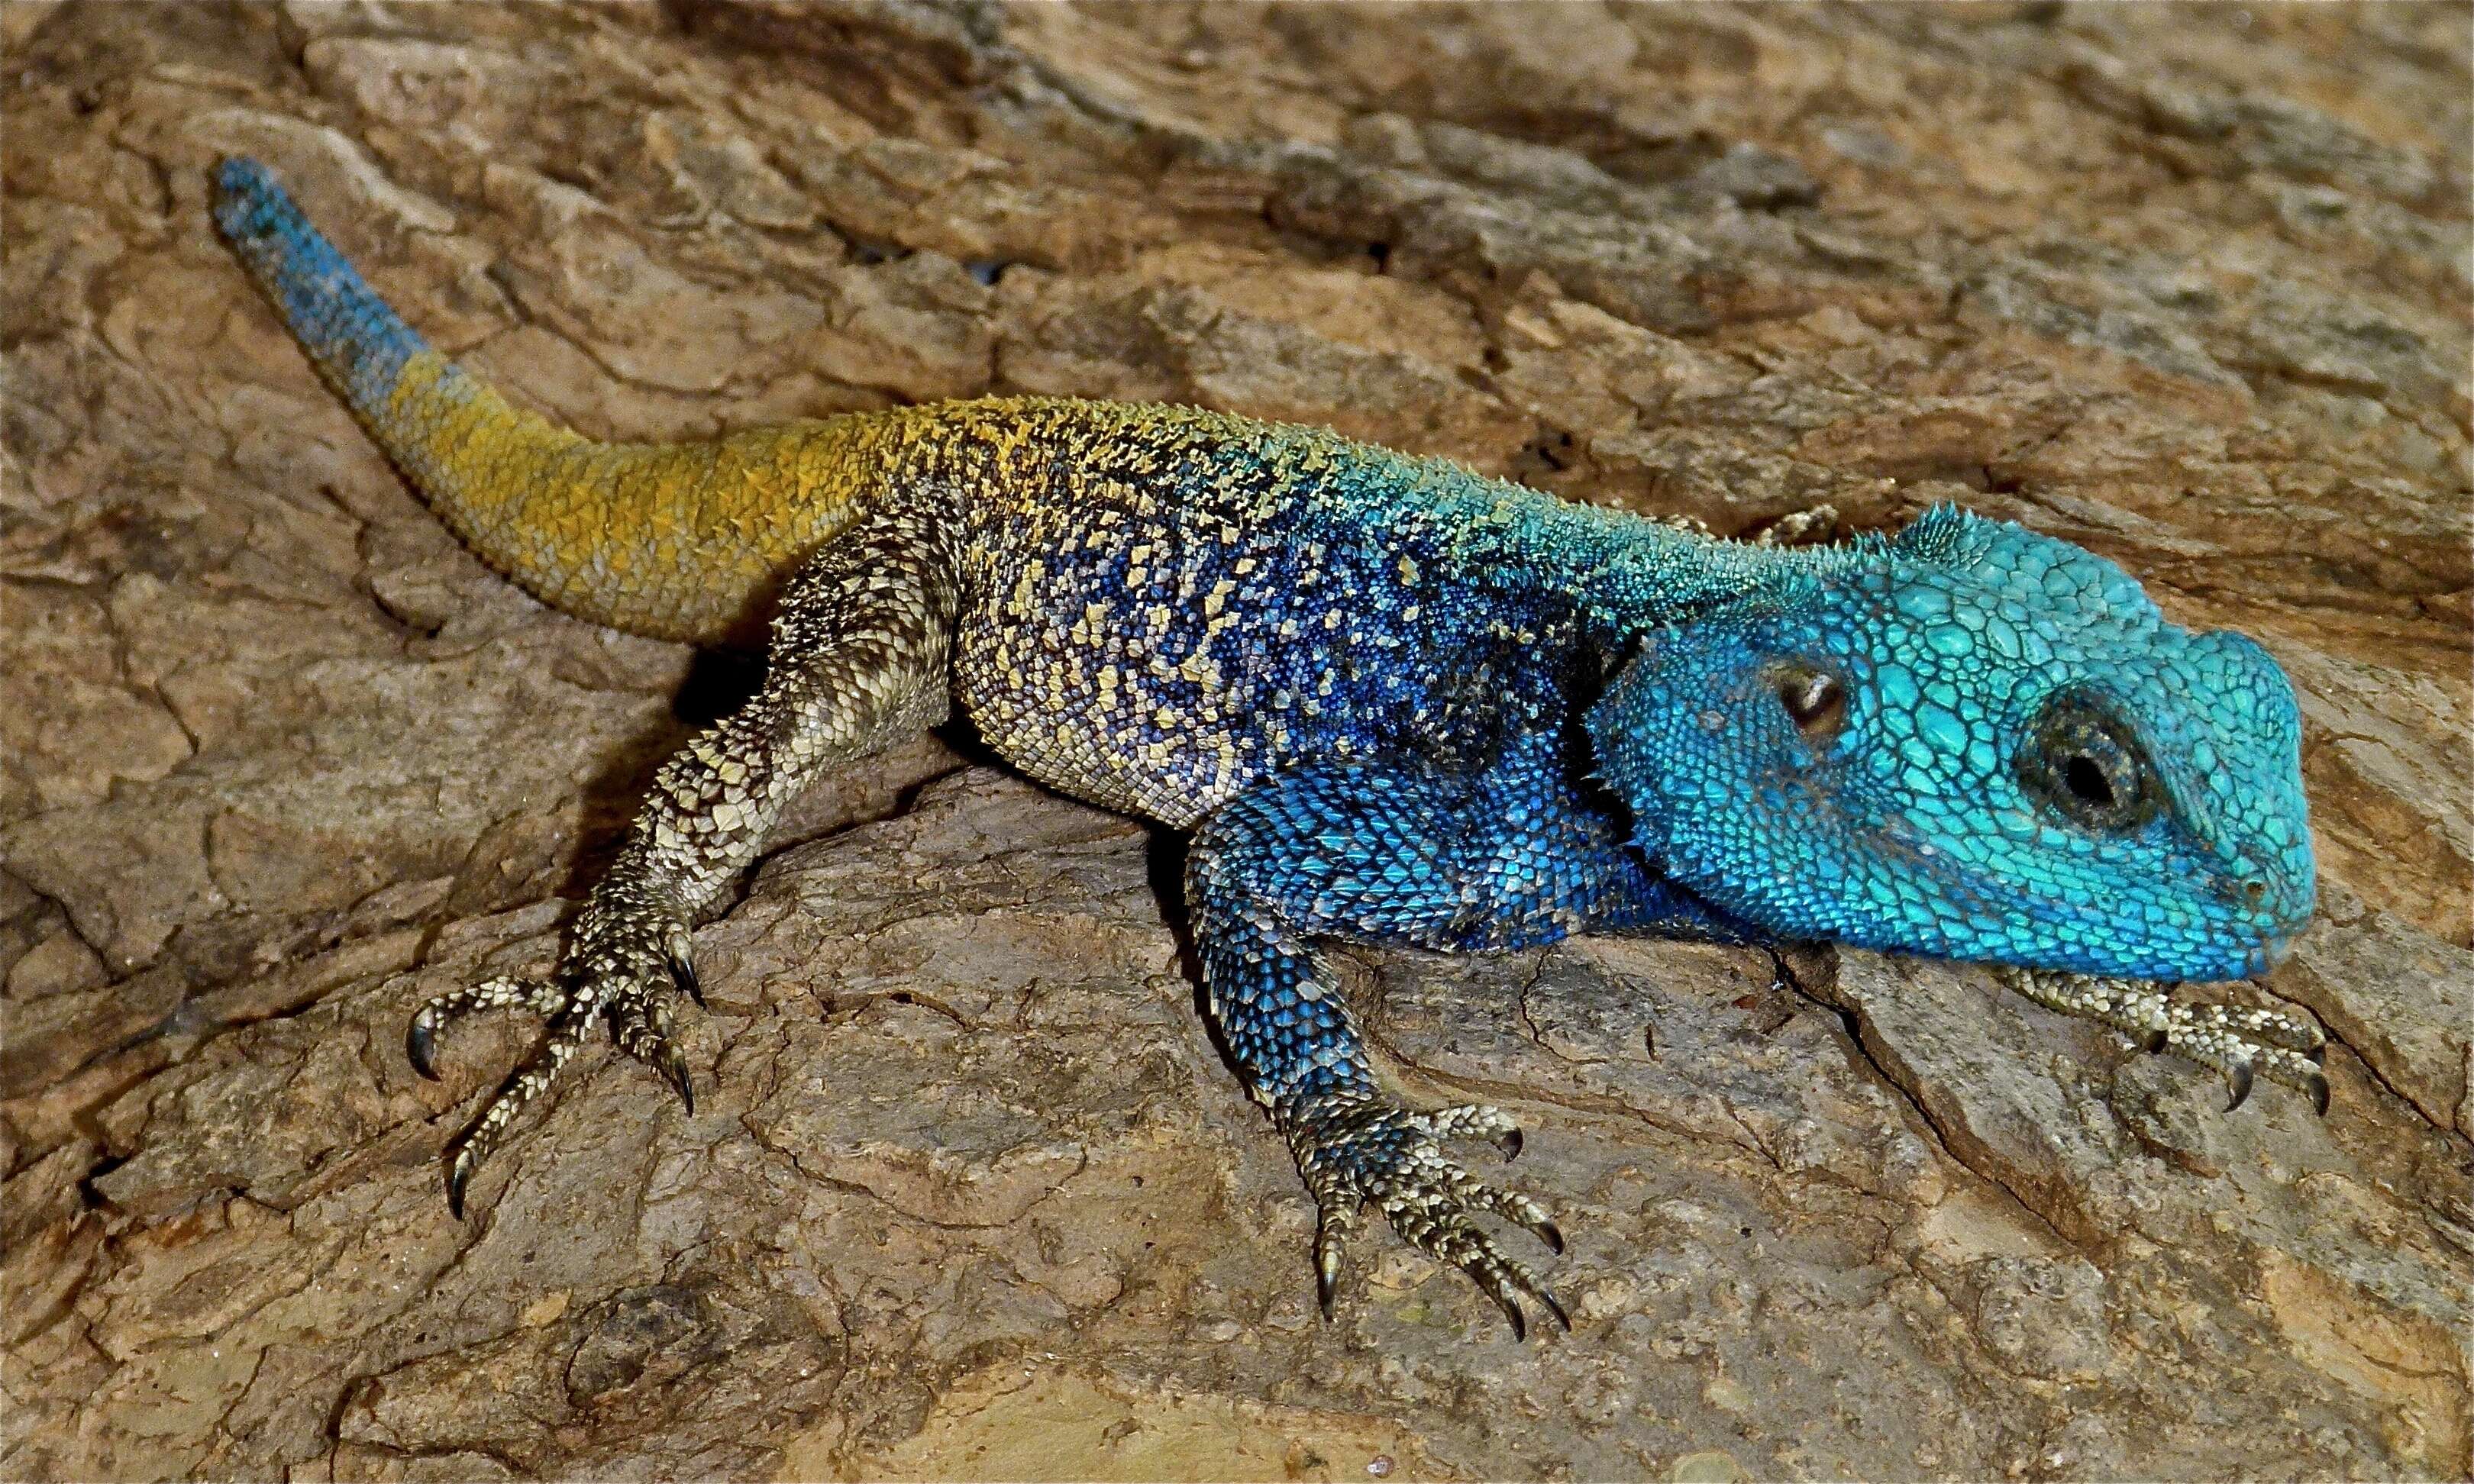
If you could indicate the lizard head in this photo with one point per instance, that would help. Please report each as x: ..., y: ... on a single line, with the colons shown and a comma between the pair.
x: 1977, y: 743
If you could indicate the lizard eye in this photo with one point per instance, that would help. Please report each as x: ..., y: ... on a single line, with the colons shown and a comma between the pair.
x: 2084, y: 764
x: 1815, y: 700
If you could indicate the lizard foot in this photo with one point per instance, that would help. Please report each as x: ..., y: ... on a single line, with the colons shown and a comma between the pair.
x: 1354, y: 1149
x: 617, y: 964
x: 2243, y: 1044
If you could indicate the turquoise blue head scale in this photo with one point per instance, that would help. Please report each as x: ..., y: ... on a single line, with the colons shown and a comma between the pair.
x: 1977, y: 743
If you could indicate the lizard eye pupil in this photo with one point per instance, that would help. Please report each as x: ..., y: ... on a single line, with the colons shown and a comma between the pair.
x: 2085, y: 778
x: 2085, y: 765
x: 1815, y: 700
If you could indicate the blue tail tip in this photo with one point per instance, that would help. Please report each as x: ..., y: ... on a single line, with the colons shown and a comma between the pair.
x: 247, y: 197
x: 237, y: 175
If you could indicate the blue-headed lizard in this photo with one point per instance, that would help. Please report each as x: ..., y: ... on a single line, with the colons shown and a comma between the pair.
x: 1392, y: 700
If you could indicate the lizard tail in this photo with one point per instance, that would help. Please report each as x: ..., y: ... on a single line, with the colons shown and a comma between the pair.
x: 682, y: 540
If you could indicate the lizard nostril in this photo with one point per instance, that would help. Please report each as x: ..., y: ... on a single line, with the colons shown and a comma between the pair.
x: 2254, y: 892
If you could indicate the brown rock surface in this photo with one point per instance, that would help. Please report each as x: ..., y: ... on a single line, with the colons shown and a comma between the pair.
x: 968, y: 1191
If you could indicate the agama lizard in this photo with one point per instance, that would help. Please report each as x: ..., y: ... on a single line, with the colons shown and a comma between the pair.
x: 1392, y: 701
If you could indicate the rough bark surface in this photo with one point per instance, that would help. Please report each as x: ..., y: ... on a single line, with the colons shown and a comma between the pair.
x: 968, y: 1191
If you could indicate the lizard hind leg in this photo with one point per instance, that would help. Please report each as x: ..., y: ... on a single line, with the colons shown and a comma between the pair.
x: 857, y: 660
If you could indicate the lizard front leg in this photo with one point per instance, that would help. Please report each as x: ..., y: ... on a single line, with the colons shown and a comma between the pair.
x: 2240, y: 1044
x: 1390, y: 854
x: 858, y: 660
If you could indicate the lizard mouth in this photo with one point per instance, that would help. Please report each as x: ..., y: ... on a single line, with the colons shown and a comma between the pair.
x: 1972, y: 895
x: 1976, y: 896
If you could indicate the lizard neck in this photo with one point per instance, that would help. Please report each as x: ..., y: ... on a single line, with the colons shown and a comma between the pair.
x: 1620, y: 573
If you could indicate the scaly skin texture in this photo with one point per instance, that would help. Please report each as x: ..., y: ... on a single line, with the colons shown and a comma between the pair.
x: 1393, y: 701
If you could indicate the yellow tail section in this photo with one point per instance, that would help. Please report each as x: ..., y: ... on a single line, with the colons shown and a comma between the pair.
x: 673, y: 540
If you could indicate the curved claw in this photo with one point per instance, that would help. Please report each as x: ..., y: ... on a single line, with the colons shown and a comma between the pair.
x: 420, y: 1046
x: 673, y: 1069
x: 1494, y: 1287
x: 2318, y: 1055
x: 1330, y: 1231
x: 1553, y: 1236
x: 1511, y: 1143
x: 1553, y: 1307
x: 684, y: 974
x: 2155, y: 1040
x: 2318, y: 1090
x: 458, y: 1175
x: 2238, y: 1074
x: 1503, y: 1280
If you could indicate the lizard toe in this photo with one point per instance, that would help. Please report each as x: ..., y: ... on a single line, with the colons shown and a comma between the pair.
x: 640, y: 1023
x: 1442, y: 1230
x: 569, y: 1031
x: 420, y: 1036
x: 1474, y: 1120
